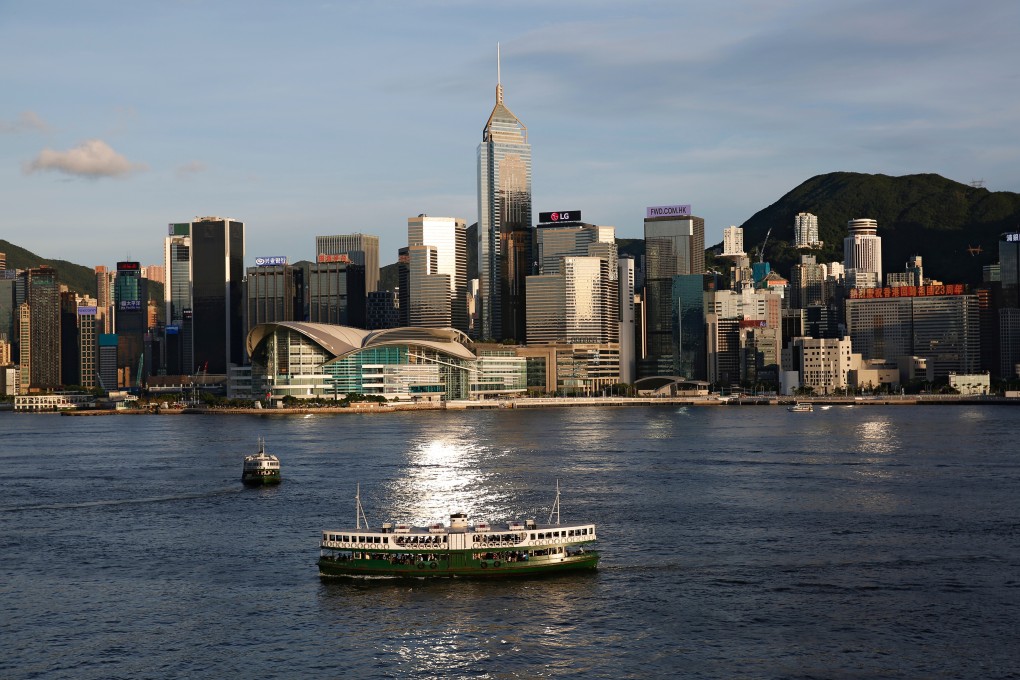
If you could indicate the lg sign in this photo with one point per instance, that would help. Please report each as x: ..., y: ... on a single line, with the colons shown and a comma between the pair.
x: 562, y: 216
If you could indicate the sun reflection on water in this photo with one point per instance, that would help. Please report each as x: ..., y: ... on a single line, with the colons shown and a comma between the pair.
x: 876, y: 437
x: 445, y: 475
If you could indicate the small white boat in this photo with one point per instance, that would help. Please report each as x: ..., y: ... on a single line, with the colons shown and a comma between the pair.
x: 801, y: 408
x: 261, y: 468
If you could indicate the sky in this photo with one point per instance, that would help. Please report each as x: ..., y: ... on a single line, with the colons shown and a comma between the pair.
x: 313, y: 118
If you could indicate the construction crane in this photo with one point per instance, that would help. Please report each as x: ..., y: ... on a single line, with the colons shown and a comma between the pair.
x: 761, y: 251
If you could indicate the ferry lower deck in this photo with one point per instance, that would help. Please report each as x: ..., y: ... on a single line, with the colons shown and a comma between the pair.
x: 496, y: 563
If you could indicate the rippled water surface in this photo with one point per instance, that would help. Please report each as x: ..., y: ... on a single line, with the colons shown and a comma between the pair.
x: 737, y: 542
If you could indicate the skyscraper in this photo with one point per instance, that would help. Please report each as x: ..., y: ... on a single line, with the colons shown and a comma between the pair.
x: 180, y: 350
x: 628, y: 319
x: 553, y: 243
x: 104, y: 298
x: 43, y: 298
x: 805, y: 230
x: 429, y: 296
x: 204, y: 292
x: 576, y: 304
x: 131, y: 294
x: 449, y: 238
x: 862, y: 253
x: 1006, y: 325
x: 275, y: 292
x: 674, y: 245
x: 217, y: 274
x: 361, y: 249
x: 733, y: 241
x: 504, y: 221
x: 336, y: 293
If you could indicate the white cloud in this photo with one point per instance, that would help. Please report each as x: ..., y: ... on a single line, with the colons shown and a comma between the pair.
x: 94, y: 158
x: 189, y: 169
x: 28, y: 121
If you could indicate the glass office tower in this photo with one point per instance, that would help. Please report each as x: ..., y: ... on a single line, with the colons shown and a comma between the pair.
x: 448, y: 236
x: 131, y: 294
x: 180, y: 354
x: 674, y: 246
x: 43, y: 297
x: 504, y: 222
x: 204, y: 269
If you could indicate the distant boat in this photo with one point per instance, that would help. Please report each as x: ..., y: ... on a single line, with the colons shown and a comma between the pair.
x: 261, y: 468
x: 801, y: 408
x: 462, y: 548
x: 825, y: 408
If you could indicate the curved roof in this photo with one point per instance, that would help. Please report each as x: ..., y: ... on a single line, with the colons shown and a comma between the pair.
x: 342, y: 340
x: 653, y: 382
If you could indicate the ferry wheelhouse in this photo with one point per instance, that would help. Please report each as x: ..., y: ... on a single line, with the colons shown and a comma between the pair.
x: 461, y: 548
x: 261, y: 468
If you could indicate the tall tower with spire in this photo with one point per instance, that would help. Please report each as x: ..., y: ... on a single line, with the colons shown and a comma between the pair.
x: 505, y: 232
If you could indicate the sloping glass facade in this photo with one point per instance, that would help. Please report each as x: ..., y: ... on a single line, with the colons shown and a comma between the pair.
x: 504, y: 223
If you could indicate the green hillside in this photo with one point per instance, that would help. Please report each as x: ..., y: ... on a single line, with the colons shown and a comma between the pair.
x: 76, y: 277
x: 943, y: 221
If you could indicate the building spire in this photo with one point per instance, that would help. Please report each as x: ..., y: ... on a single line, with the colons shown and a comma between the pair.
x: 499, y: 83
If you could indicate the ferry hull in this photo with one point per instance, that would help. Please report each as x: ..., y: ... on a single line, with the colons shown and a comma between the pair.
x: 260, y: 480
x: 456, y: 566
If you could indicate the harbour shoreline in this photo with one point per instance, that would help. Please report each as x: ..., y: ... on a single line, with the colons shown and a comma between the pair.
x: 573, y: 402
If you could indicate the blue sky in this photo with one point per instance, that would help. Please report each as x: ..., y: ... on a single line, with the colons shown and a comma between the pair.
x: 308, y: 118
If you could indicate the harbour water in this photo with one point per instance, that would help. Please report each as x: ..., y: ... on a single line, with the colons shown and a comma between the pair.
x: 737, y: 542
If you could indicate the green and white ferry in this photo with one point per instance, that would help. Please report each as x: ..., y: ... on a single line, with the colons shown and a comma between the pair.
x: 462, y: 548
x: 261, y: 468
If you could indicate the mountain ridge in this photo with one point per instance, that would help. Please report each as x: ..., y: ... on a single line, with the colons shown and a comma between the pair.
x: 954, y: 227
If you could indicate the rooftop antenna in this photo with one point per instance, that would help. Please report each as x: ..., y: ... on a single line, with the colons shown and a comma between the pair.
x: 499, y: 82
x: 556, y: 506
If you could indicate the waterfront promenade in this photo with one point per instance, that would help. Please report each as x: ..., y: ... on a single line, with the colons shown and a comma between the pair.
x: 581, y: 402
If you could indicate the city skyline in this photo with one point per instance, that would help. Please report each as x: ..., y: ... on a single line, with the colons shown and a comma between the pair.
x: 297, y: 127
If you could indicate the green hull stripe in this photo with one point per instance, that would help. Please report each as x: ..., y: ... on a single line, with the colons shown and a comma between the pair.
x: 328, y: 567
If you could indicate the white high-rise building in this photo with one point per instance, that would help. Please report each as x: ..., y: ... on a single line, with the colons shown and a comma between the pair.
x: 552, y: 244
x: 448, y: 237
x: 733, y: 242
x: 805, y: 230
x: 862, y: 252
x: 577, y: 304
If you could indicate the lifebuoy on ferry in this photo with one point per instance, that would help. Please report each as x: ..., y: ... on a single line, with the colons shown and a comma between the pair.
x: 495, y: 563
x: 432, y: 565
x: 421, y: 565
x: 484, y: 564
